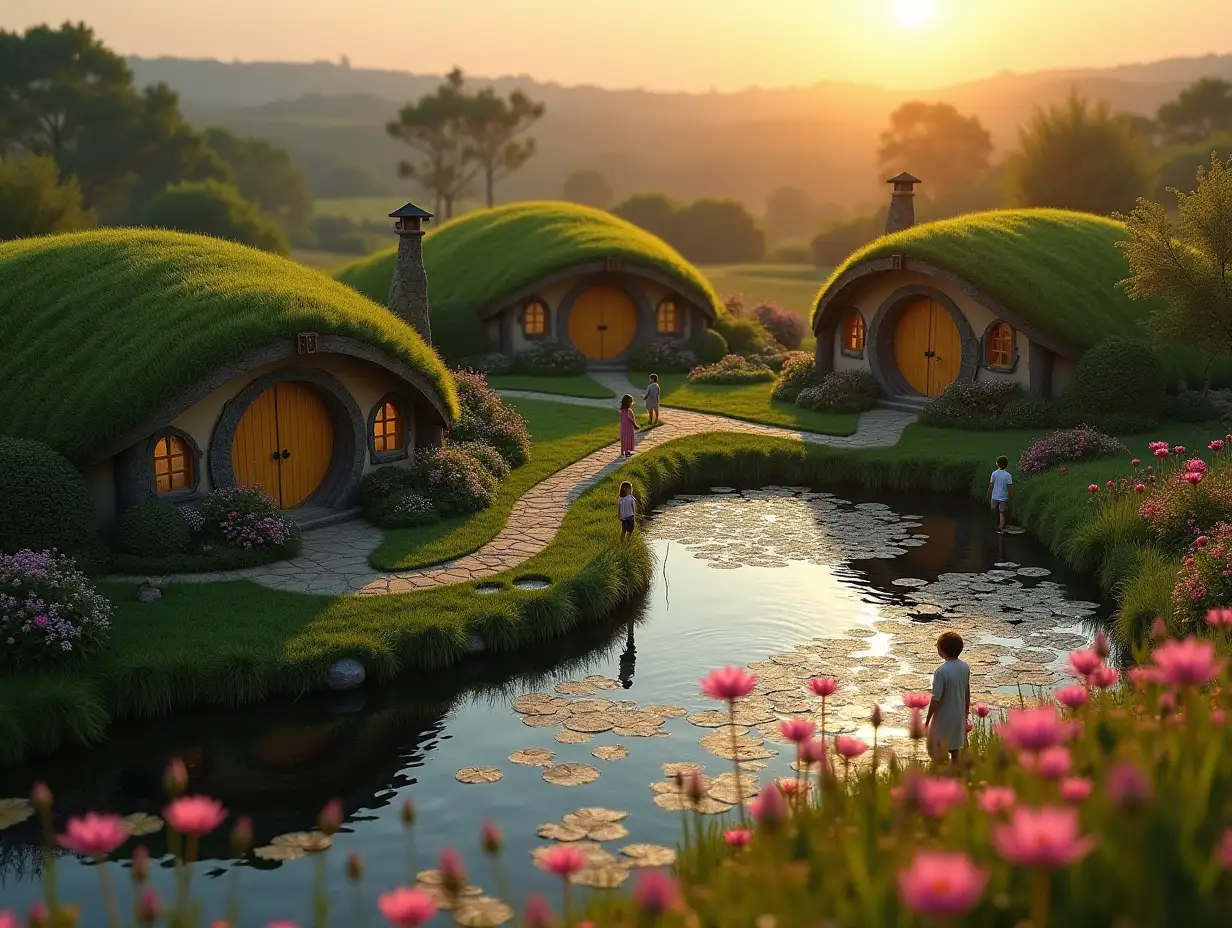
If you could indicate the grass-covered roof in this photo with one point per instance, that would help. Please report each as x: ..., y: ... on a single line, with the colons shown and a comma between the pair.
x: 101, y: 329
x: 1056, y: 270
x: 480, y: 258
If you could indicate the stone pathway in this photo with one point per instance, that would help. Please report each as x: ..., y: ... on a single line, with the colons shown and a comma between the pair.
x: 334, y: 560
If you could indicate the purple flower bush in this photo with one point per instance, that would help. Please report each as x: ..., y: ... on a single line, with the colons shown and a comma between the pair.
x: 405, y: 509
x: 799, y: 372
x: 550, y: 359
x: 484, y: 417
x: 733, y: 369
x: 841, y: 391
x: 977, y: 405
x: 1064, y: 445
x: 663, y: 356
x: 246, y: 518
x: 786, y: 327
x: 455, y: 481
x: 491, y: 363
x: 48, y: 611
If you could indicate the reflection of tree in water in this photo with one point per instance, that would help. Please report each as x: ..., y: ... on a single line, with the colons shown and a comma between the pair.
x: 281, y: 761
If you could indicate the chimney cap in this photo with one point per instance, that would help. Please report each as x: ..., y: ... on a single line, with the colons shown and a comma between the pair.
x: 904, y: 178
x: 410, y: 211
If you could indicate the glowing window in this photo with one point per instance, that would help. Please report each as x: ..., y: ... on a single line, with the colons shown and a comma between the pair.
x: 388, y: 433
x: 668, y: 318
x: 999, y: 345
x: 173, y: 465
x: 853, y: 334
x: 535, y: 319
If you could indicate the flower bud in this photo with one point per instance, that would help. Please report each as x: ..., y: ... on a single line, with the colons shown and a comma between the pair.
x: 175, y: 780
x: 354, y: 867
x: 408, y: 813
x: 1100, y: 646
x: 330, y: 819
x: 490, y: 838
x: 141, y: 864
x: 915, y: 729
x: 697, y: 788
x: 241, y: 836
x: 453, y: 873
x: 148, y: 907
x: 40, y: 797
x: 875, y: 718
x: 1159, y: 631
x: 38, y: 916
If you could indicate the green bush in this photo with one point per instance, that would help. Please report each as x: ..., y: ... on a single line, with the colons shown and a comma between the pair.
x: 742, y: 334
x: 1190, y: 406
x: 799, y: 371
x: 971, y: 405
x: 382, y: 483
x: 486, y: 455
x: 550, y: 359
x: 204, y: 557
x: 1118, y: 375
x: 841, y: 391
x: 405, y: 509
x: 709, y: 345
x: 1028, y: 412
x: 732, y: 369
x: 154, y: 527
x: 44, y: 501
x: 665, y: 356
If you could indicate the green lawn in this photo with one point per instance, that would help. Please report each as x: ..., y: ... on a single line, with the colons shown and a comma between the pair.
x: 327, y: 261
x: 792, y: 286
x: 751, y: 402
x: 560, y: 435
x: 377, y: 209
x: 562, y: 386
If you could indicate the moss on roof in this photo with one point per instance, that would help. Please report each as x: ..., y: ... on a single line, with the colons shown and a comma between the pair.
x: 1058, y: 270
x: 100, y: 329
x: 475, y: 260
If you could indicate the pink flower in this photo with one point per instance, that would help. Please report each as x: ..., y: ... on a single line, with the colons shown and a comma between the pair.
x: 1111, y: 484
x: 1196, y: 465
x: 148, y: 906
x: 1186, y: 663
x: 1062, y: 470
x: 797, y: 730
x: 562, y: 860
x: 849, y: 747
x: 1156, y: 445
x: 1099, y: 644
x: 1140, y: 487
x: 1225, y: 850
x: 94, y: 835
x: 195, y: 815
x: 1127, y: 785
x: 452, y: 869
x: 1104, y: 677
x: 769, y: 808
x: 1161, y: 453
x: 1083, y: 663
x: 1159, y: 629
x: 814, y: 752
x: 917, y: 700
x: 937, y: 795
x: 1043, y: 837
x: 738, y: 837
x: 1216, y: 445
x: 537, y: 914
x: 1201, y: 541
x: 997, y: 799
x: 823, y: 686
x: 1054, y: 763
x: 1179, y: 449
x: 330, y: 819
x: 1218, y: 717
x: 982, y: 710
x: 1093, y: 488
x: 406, y: 908
x: 490, y: 838
x: 1072, y: 697
x: 728, y: 684
x: 1135, y: 462
x: 1075, y: 789
x: 1033, y: 729
x: 37, y: 915
x: 8, y: 919
x: 1193, y: 478
x: 656, y: 892
x: 942, y: 884
x: 1219, y: 618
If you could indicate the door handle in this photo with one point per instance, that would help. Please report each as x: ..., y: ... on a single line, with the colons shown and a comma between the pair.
x: 602, y: 328
x: 285, y: 454
x: 929, y: 354
x: 277, y: 455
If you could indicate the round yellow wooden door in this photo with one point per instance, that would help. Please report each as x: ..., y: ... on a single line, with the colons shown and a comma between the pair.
x: 927, y: 347
x: 602, y: 322
x: 284, y: 443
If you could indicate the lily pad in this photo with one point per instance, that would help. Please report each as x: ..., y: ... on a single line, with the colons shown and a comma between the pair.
x: 611, y: 752
x: 574, y: 688
x: 649, y: 855
x: 608, y: 876
x: 668, y: 712
x: 594, y: 815
x: 609, y: 832
x: 482, y: 912
x: 14, y: 812
x: 592, y: 724
x: 280, y: 852
x: 570, y: 774
x: 573, y: 737
x: 557, y: 831
x: 532, y: 757
x: 678, y: 802
x: 681, y: 767
x: 541, y: 721
x: 478, y: 775
x: 313, y: 842
x: 142, y: 823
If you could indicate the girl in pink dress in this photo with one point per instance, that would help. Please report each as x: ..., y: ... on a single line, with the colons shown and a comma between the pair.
x: 628, y: 425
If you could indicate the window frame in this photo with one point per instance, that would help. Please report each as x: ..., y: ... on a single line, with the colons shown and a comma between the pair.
x: 677, y: 315
x: 192, y: 458
x: 523, y: 313
x: 986, y: 347
x: 406, y: 416
x: 852, y: 352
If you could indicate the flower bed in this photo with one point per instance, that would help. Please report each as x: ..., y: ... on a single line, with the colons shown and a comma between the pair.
x: 785, y: 326
x: 664, y: 356
x: 49, y: 613
x: 733, y: 369
x: 484, y: 417
x: 1066, y: 445
x: 841, y: 391
x: 550, y: 359
x: 799, y: 371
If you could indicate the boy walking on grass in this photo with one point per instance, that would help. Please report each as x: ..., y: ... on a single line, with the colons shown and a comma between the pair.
x: 999, y: 491
x: 651, y: 400
x: 951, y: 702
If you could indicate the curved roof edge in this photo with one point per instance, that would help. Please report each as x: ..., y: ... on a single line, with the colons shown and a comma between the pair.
x: 829, y: 304
x: 279, y: 351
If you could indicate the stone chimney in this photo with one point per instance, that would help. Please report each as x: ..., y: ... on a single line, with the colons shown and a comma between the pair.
x: 408, y: 289
x: 902, y: 203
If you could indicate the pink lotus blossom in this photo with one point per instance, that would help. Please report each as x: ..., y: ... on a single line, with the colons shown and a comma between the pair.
x: 1084, y: 663
x: 814, y: 752
x: 823, y: 686
x: 849, y: 747
x: 490, y: 838
x: 1033, y: 729
x: 997, y: 799
x: 941, y: 884
x: 175, y: 778
x: 738, y: 837
x: 1054, y: 763
x: 1099, y: 644
x: 970, y: 726
x: 797, y: 730
x: 1104, y: 677
x: 937, y: 795
x: 1179, y: 449
x: 1159, y: 629
x: 1156, y: 445
x: 1072, y: 697
x: 1127, y: 784
x: 538, y: 913
x: 1186, y: 663
x: 1219, y: 618
x: 406, y: 908
x: 769, y: 808
x: 8, y: 919
x: 562, y: 860
x: 1043, y: 837
x: 982, y: 710
x: 1075, y: 789
x: 195, y: 815
x: 1093, y: 488
x: 656, y: 892
x: 917, y: 700
x: 1225, y: 850
x: 330, y: 819
x: 148, y: 906
x: 1140, y: 487
x: 1161, y: 453
x: 1218, y: 717
x: 94, y: 835
x: 728, y: 684
x: 1141, y: 677
x: 1216, y: 445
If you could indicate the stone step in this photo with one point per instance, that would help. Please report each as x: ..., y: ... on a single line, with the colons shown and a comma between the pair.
x: 310, y: 518
x: 912, y: 404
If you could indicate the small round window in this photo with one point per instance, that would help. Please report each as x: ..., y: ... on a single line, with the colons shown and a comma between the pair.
x: 388, y: 431
x: 173, y: 465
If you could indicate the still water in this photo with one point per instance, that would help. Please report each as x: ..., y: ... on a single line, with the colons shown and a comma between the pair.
x: 793, y: 583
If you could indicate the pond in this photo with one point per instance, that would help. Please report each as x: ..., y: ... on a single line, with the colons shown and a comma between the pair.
x: 792, y: 582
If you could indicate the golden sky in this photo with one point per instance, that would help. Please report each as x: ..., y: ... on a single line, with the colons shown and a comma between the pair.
x: 663, y: 44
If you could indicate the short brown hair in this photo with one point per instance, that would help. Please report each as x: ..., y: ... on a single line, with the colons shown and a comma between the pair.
x: 950, y: 644
x: 1003, y: 462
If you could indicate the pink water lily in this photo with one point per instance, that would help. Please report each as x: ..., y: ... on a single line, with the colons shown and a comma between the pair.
x: 1033, y: 729
x: 797, y: 730
x: 823, y: 686
x: 996, y: 799
x: 728, y: 684
x: 656, y: 892
x: 406, y: 908
x: 195, y: 815
x: 1045, y: 837
x: 1186, y: 663
x: 1072, y: 697
x: 849, y: 747
x: 917, y: 700
x: 94, y: 835
x: 937, y: 795
x: 562, y: 860
x: 1075, y: 789
x: 1084, y: 663
x: 941, y: 884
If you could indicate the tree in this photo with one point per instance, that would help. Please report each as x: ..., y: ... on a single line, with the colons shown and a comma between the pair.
x: 264, y: 173
x: 1179, y: 164
x: 1202, y: 109
x: 491, y: 127
x: 936, y: 142
x: 790, y: 213
x: 1188, y: 265
x: 211, y: 208
x: 654, y: 212
x: 33, y: 201
x: 717, y: 232
x: 590, y: 188
x: 1077, y: 155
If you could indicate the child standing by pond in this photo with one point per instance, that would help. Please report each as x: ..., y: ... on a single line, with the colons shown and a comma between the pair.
x: 651, y: 399
x: 628, y: 425
x: 951, y: 702
x: 627, y: 506
x: 999, y: 491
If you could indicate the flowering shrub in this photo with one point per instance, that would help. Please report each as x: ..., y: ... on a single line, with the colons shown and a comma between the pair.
x: 709, y: 345
x: 484, y: 417
x: 841, y: 391
x: 404, y: 509
x: 663, y: 356
x: 486, y: 455
x: 785, y: 326
x: 48, y: 611
x: 733, y: 369
x: 491, y: 363
x: 799, y: 371
x: 1065, y: 445
x: 453, y: 480
x: 550, y: 359
x: 772, y: 355
x: 1205, y: 577
x: 246, y: 518
x: 382, y: 483
x: 975, y: 405
x: 744, y: 335
x: 1187, y: 502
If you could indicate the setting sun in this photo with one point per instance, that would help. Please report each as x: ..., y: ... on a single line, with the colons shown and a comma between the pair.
x: 914, y: 14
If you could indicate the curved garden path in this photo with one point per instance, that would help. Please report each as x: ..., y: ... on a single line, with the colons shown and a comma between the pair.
x: 334, y: 560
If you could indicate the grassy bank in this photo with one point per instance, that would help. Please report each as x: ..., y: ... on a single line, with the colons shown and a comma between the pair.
x: 751, y: 402
x: 561, y: 386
